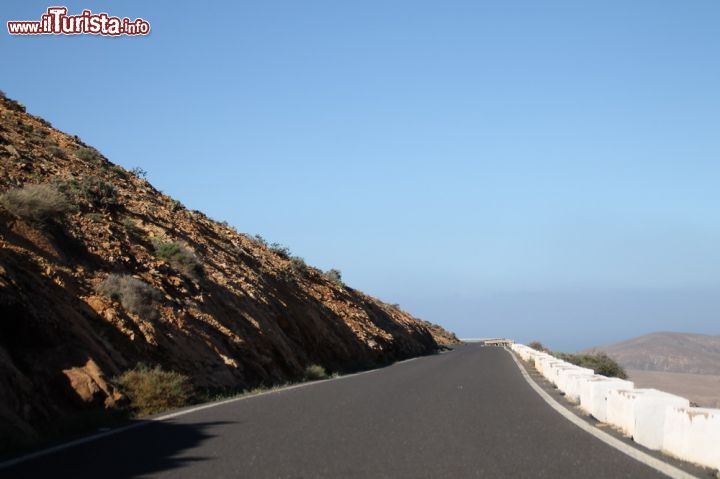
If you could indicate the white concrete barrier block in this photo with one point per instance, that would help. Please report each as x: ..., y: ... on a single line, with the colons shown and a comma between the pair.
x: 619, y: 411
x: 567, y: 380
x: 649, y: 412
x: 584, y: 387
x: 550, y: 369
x: 640, y: 413
x: 558, y: 370
x: 537, y: 360
x: 594, y: 392
x: 573, y: 383
x: 693, y: 434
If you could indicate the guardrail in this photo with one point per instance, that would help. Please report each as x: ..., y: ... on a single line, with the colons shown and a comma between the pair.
x: 653, y: 418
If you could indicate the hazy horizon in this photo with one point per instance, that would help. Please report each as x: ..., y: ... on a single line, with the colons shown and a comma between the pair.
x: 541, y: 171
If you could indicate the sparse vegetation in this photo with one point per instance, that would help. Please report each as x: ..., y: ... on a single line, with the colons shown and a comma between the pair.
x: 334, y: 276
x: 130, y: 226
x: 55, y: 150
x: 153, y: 390
x: 26, y: 127
x: 88, y: 154
x: 601, y: 363
x: 35, y: 203
x: 260, y: 240
x: 95, y: 217
x: 176, y: 205
x: 298, y: 266
x: 295, y: 270
x: 179, y: 255
x: 538, y: 346
x: 314, y: 372
x: 139, y: 172
x: 280, y: 250
x: 135, y: 295
x: 98, y: 192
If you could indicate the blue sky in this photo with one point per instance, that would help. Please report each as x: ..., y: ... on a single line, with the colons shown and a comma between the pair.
x: 539, y: 170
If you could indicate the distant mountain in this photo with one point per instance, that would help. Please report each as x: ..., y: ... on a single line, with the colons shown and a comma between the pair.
x: 664, y: 351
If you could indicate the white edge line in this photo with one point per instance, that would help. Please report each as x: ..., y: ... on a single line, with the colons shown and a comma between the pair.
x: 165, y: 417
x: 636, y: 454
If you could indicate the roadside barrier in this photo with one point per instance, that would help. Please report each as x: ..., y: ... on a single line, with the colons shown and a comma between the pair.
x: 652, y: 418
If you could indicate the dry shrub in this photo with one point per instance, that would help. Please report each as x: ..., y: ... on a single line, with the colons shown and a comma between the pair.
x: 315, y: 371
x: 154, y: 390
x: 135, y: 295
x: 36, y: 203
x: 298, y: 267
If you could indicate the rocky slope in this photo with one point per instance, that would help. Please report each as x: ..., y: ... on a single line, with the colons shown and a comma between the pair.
x: 672, y: 352
x: 216, y: 305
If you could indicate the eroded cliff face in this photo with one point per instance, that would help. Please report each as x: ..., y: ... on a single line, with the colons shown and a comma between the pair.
x: 247, y: 315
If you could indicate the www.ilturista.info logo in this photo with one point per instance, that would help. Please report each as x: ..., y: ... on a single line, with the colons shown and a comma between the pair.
x: 57, y: 22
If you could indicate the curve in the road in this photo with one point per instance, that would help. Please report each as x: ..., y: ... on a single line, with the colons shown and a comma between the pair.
x: 468, y: 413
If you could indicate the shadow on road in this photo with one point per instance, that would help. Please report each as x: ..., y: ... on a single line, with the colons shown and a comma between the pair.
x: 142, y: 452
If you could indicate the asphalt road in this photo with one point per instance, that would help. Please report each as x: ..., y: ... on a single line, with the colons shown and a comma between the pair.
x: 467, y: 413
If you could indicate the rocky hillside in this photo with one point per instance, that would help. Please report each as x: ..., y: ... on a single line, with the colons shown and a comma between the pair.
x: 99, y: 271
x: 673, y: 352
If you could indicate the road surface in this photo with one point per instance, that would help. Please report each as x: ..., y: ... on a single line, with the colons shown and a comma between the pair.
x: 467, y: 413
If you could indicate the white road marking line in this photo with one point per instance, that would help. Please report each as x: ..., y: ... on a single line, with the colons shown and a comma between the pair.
x: 145, y: 422
x: 636, y: 454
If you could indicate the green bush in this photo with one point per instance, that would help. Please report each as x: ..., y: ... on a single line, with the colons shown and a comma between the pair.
x: 601, y: 363
x: 35, y: 203
x: 154, y: 390
x: 280, y: 250
x: 135, y: 295
x: 26, y: 127
x: 98, y: 192
x: 180, y: 256
x: 334, y: 276
x: 315, y: 371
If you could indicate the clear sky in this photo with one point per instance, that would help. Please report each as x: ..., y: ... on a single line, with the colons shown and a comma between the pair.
x: 535, y: 169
